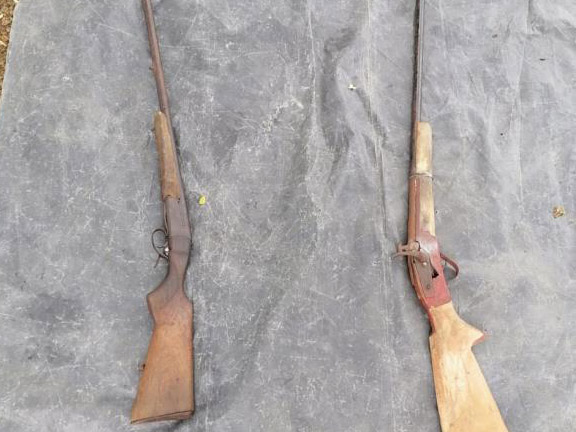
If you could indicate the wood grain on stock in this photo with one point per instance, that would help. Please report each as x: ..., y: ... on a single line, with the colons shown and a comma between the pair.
x: 465, y: 402
x: 422, y: 151
x: 421, y: 198
x: 166, y: 388
x: 168, y: 159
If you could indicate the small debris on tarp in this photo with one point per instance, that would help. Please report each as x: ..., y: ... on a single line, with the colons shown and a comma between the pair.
x: 558, y: 211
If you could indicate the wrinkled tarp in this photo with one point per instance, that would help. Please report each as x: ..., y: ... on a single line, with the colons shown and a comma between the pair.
x: 303, y: 320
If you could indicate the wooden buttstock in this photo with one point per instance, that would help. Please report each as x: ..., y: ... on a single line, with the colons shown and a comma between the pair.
x: 465, y: 402
x: 165, y: 391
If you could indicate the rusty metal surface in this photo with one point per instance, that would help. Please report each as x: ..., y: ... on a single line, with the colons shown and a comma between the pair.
x: 293, y: 120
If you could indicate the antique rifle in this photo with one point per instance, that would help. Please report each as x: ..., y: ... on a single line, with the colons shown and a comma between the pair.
x: 465, y: 403
x: 166, y: 389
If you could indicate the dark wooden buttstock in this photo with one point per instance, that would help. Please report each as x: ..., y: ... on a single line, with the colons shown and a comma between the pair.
x: 166, y: 389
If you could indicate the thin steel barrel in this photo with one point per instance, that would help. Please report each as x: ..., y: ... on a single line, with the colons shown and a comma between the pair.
x: 417, y: 84
x: 156, y: 61
x: 418, y: 54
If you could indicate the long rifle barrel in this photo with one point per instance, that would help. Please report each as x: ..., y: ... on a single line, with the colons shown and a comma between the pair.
x: 418, y: 54
x: 156, y: 61
x: 417, y: 83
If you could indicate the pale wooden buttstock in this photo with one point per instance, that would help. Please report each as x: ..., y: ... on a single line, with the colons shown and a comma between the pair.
x: 465, y: 403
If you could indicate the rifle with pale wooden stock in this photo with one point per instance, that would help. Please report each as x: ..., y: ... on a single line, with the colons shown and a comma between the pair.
x: 465, y: 403
x: 166, y: 389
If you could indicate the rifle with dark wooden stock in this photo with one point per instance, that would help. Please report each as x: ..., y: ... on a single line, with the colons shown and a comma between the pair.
x: 166, y: 388
x: 465, y: 403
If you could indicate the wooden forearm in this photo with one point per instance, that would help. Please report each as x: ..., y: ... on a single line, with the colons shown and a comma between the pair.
x: 169, y: 180
x: 421, y: 193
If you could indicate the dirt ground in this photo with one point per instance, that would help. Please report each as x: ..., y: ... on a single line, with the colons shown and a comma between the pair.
x: 6, y: 10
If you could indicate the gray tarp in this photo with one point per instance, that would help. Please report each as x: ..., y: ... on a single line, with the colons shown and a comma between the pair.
x: 303, y: 321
